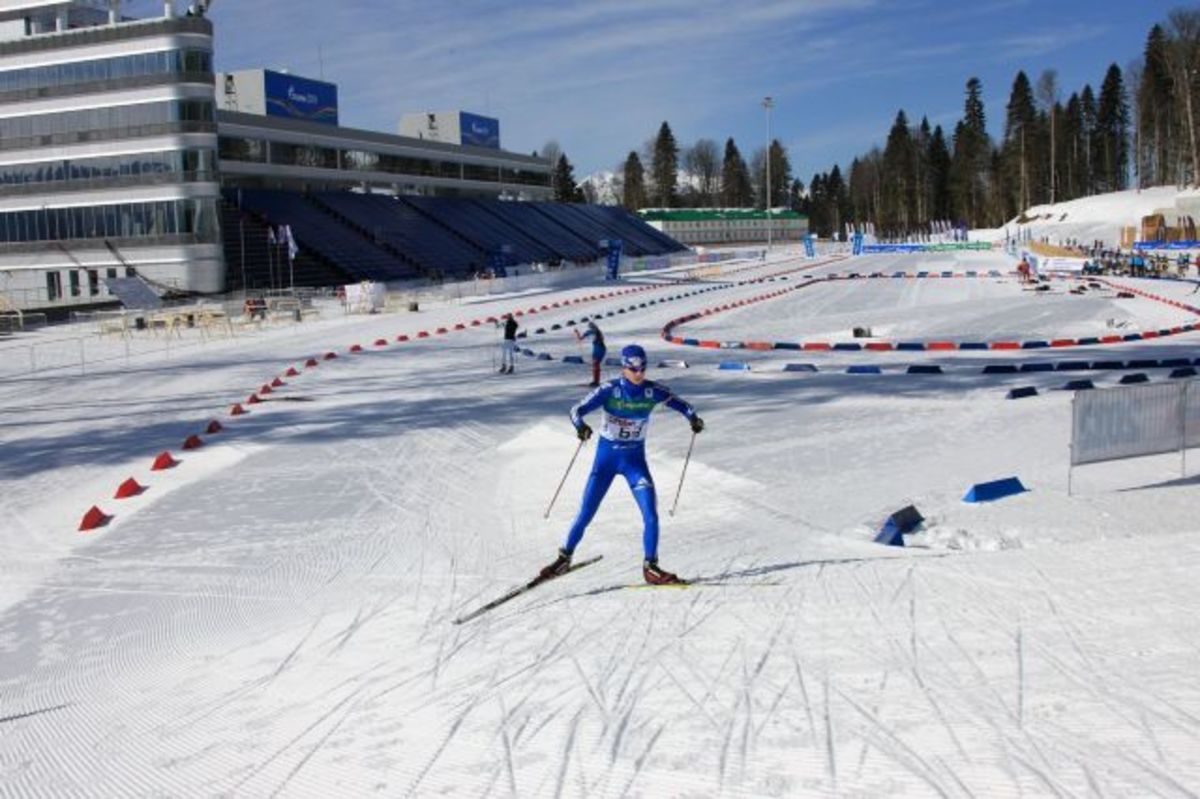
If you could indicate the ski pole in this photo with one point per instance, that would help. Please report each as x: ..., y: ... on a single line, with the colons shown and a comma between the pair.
x: 562, y: 482
x: 682, y: 474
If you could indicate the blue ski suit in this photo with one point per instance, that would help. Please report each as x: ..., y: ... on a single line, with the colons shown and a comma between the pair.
x: 598, y: 348
x: 622, y: 450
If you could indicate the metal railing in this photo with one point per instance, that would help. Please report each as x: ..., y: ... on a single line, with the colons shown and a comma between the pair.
x: 104, y: 340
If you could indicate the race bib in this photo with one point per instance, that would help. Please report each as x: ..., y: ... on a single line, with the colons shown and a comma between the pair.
x: 619, y: 429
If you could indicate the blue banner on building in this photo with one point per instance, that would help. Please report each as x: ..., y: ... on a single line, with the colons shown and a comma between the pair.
x: 293, y: 97
x: 477, y: 131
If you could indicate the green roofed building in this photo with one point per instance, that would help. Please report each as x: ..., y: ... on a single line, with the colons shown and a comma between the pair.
x: 717, y: 226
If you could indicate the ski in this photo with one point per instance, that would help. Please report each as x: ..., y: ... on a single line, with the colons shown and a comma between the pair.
x: 516, y: 592
x: 699, y: 583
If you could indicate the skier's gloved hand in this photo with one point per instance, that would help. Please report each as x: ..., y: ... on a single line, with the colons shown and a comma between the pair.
x: 583, y: 431
x: 697, y: 424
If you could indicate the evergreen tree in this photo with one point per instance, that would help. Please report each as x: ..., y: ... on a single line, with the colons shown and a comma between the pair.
x: 1155, y: 112
x: 818, y: 213
x: 736, y: 191
x: 1020, y: 123
x: 972, y: 160
x: 633, y: 195
x: 565, y: 188
x: 836, y: 201
x: 1112, y: 131
x: 922, y: 185
x: 1072, y: 136
x: 664, y: 168
x: 898, y: 174
x: 796, y: 198
x: 1087, y: 116
x: 781, y: 174
x: 939, y: 175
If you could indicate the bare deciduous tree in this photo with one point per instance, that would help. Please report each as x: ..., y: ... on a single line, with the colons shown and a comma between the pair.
x: 1183, y: 60
x: 1047, y: 93
x: 702, y: 161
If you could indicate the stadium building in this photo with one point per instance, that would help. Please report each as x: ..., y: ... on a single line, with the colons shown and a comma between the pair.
x: 719, y: 226
x: 122, y: 152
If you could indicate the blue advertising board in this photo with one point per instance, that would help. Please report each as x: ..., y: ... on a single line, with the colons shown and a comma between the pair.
x: 612, y: 249
x: 477, y: 131
x: 293, y: 97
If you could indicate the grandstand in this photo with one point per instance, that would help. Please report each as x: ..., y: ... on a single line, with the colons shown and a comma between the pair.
x: 348, y: 236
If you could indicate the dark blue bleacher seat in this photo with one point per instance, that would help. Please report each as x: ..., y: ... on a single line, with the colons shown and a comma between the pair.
x: 399, y: 226
x: 485, y: 230
x: 319, y: 232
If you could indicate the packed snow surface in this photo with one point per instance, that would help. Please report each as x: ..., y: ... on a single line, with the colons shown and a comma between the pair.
x: 274, y: 615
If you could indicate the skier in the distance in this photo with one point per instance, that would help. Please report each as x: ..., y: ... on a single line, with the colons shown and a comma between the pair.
x: 598, y: 349
x: 627, y: 402
x: 508, y: 350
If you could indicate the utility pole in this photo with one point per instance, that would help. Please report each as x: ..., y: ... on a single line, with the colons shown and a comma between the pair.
x: 767, y: 105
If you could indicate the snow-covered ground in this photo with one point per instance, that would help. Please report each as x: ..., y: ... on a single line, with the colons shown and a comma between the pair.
x: 274, y: 615
x: 1097, y: 218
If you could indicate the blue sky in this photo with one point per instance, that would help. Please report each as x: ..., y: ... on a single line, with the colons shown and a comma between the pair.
x: 600, y: 77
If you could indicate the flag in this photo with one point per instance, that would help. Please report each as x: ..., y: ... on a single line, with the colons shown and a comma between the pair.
x: 291, y: 243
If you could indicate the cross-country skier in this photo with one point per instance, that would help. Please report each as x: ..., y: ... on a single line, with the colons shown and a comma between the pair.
x: 627, y: 402
x: 508, y: 351
x: 598, y: 349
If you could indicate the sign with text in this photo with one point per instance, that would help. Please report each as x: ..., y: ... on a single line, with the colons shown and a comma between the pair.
x: 294, y: 97
x: 477, y: 131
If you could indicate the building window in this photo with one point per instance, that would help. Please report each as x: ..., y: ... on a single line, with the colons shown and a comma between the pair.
x: 166, y: 62
x: 194, y: 218
x: 254, y: 151
x: 53, y: 286
x: 73, y: 275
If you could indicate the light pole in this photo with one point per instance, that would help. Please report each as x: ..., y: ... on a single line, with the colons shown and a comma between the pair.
x: 767, y: 105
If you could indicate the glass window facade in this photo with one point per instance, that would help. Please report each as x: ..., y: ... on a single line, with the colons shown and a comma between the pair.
x: 232, y: 148
x: 193, y: 164
x: 147, y: 220
x: 303, y: 155
x: 111, y: 119
x: 260, y: 151
x: 166, y: 62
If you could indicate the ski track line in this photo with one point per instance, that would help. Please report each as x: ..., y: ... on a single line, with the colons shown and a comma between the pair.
x: 641, y: 760
x: 862, y: 752
x: 1096, y: 672
x: 928, y: 693
x: 971, y: 695
x: 412, y: 788
x: 830, y: 746
x: 568, y: 748
x: 507, y: 740
x: 903, y: 754
x: 308, y: 755
x: 587, y: 684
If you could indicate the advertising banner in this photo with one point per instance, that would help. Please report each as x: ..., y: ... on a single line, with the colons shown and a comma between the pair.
x: 477, y: 131
x: 614, y: 258
x: 293, y: 97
